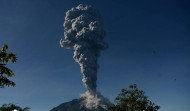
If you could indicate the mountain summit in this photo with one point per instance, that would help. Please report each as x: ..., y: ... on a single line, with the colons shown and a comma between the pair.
x: 75, y: 105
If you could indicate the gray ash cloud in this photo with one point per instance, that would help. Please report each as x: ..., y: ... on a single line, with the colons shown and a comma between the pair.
x: 84, y: 32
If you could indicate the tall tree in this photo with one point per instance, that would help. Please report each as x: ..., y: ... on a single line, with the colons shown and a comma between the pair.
x: 132, y: 99
x: 5, y: 72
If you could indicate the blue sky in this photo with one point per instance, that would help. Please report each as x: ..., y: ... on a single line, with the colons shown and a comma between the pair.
x: 46, y: 74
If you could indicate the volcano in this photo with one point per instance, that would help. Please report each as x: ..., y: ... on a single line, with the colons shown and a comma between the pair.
x: 75, y: 105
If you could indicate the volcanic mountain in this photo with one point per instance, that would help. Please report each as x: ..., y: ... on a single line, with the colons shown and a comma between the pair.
x: 75, y: 105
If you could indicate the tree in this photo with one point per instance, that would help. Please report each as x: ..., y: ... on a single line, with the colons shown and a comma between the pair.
x: 132, y: 99
x: 5, y: 72
x: 12, y: 107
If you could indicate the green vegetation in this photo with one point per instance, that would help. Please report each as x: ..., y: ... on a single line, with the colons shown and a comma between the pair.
x: 5, y: 72
x: 132, y: 99
x: 12, y: 107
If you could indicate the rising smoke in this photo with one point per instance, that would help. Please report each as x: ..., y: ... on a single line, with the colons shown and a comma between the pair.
x: 84, y: 31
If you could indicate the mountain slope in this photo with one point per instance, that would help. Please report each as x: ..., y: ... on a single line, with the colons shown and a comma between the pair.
x: 74, y: 105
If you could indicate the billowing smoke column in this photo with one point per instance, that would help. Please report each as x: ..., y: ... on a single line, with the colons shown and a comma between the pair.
x: 84, y: 31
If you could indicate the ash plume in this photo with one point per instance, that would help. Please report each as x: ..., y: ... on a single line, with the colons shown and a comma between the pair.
x: 85, y: 33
